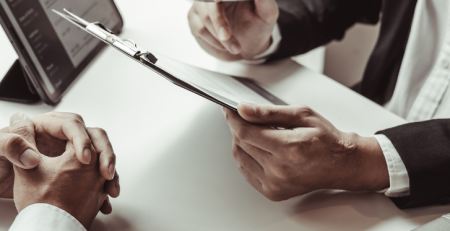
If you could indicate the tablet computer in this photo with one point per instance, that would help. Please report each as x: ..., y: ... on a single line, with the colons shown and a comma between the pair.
x: 52, y: 51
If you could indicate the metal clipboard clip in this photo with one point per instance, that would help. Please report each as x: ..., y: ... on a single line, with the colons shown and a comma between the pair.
x: 97, y: 29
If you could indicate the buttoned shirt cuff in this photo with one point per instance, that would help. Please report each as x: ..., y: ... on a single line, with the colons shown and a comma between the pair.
x: 398, y: 176
x: 45, y: 217
x: 276, y: 40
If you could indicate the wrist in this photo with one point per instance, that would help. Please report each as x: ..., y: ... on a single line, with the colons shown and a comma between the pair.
x: 372, y: 173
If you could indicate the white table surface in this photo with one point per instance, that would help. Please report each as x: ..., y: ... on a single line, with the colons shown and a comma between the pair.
x: 174, y: 148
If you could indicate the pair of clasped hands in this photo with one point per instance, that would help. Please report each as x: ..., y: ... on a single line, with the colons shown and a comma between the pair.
x: 54, y: 159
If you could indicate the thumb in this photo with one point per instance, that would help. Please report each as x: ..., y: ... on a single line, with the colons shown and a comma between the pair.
x: 22, y: 125
x: 267, y: 10
x: 18, y: 146
x: 18, y: 151
x: 276, y: 116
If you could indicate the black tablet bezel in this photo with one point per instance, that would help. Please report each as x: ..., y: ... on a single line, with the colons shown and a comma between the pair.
x: 31, y: 69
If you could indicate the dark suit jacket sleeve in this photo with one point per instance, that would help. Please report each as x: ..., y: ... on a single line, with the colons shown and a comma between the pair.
x: 307, y: 24
x: 425, y: 150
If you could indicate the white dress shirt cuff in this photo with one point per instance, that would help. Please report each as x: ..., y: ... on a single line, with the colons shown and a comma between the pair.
x: 398, y: 176
x: 45, y: 217
x: 276, y: 40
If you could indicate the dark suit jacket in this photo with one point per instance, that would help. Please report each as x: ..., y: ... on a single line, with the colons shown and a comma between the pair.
x: 424, y: 147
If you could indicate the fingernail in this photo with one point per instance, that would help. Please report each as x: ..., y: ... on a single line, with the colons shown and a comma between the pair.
x: 87, y: 155
x: 223, y: 34
x: 223, y: 110
x: 249, y: 109
x: 112, y: 170
x: 29, y: 158
x: 16, y: 118
x: 235, y: 49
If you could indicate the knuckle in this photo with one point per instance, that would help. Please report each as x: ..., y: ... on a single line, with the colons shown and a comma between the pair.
x: 21, y: 130
x: 274, y: 186
x: 201, y: 31
x: 51, y: 114
x: 77, y: 117
x: 235, y: 152
x: 294, y: 146
x: 270, y: 113
x: 112, y: 157
x: 204, y: 17
x: 100, y: 132
x: 273, y: 195
x: 217, y: 19
x: 241, y: 133
x: 12, y: 143
x: 304, y: 112
x: 236, y: 141
x: 76, y: 121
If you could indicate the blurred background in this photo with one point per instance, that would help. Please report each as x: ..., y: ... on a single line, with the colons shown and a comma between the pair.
x: 343, y: 61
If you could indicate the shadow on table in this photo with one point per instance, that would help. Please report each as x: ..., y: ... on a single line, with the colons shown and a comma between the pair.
x: 196, y: 185
x: 367, y: 204
x: 112, y: 223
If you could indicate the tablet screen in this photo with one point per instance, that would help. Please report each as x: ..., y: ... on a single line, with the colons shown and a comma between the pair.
x: 56, y: 47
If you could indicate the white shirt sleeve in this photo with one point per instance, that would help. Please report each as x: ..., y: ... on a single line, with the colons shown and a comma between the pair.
x: 45, y: 217
x: 276, y: 40
x: 398, y: 176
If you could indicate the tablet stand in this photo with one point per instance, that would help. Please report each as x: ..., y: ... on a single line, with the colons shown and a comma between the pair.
x: 15, y: 86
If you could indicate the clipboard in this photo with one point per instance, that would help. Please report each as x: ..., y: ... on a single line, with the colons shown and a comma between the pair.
x: 179, y: 75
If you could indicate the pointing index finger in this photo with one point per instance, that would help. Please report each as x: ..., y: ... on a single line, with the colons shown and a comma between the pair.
x: 219, y: 20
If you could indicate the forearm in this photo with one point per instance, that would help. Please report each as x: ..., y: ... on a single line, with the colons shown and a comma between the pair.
x: 40, y: 217
x: 308, y: 24
x: 424, y: 149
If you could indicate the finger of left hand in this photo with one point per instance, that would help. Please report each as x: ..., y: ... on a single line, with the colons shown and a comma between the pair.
x: 246, y: 161
x: 18, y: 145
x: 22, y: 125
x: 251, y: 179
x: 112, y: 187
x: 107, y: 158
x: 67, y: 126
x: 106, y: 207
x: 261, y: 156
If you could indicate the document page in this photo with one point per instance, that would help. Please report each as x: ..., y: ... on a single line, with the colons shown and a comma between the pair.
x: 226, y: 86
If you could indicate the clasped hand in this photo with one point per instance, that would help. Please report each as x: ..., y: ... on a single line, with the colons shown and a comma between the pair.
x: 54, y: 159
x: 308, y: 154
